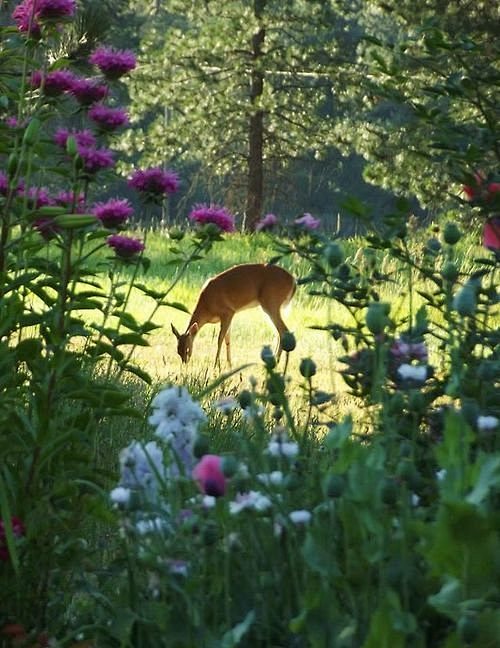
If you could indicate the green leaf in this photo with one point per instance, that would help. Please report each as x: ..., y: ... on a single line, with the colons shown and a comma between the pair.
x: 489, y: 477
x: 235, y: 635
x: 6, y: 516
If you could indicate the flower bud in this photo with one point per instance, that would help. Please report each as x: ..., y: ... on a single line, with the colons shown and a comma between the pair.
x: 176, y: 233
x: 71, y: 146
x: 201, y: 446
x: 451, y: 234
x: 449, y: 271
x: 12, y: 164
x: 376, y: 317
x: 288, y: 342
x: 307, y: 368
x: 245, y: 399
x: 31, y: 133
x: 334, y: 485
x: 465, y: 301
x: 229, y: 466
x: 334, y: 255
x: 267, y: 357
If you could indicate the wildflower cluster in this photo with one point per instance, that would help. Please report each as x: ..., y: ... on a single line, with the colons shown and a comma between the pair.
x: 203, y: 214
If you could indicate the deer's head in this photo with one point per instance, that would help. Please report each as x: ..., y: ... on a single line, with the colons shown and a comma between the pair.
x: 185, y: 341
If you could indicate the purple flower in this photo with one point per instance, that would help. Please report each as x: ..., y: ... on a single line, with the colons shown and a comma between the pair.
x: 24, y: 15
x: 154, y: 181
x: 124, y: 246
x: 95, y: 160
x: 12, y: 122
x: 68, y: 199
x: 113, y: 63
x: 55, y: 9
x: 55, y: 83
x: 307, y: 221
x: 88, y: 91
x: 28, y: 13
x: 4, y: 184
x: 36, y: 197
x: 220, y: 216
x: 108, y: 118
x: 46, y: 227
x: 113, y: 213
x: 405, y: 352
x: 266, y: 223
x: 83, y: 138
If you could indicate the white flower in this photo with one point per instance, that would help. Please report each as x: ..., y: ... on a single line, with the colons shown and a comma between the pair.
x: 441, y: 474
x: 208, y: 501
x: 251, y: 500
x: 300, y: 517
x: 144, y: 527
x: 225, y: 405
x: 274, y: 478
x: 179, y: 567
x: 415, y: 499
x: 120, y: 495
x: 413, y: 372
x: 141, y: 465
x: 485, y: 423
x: 278, y: 447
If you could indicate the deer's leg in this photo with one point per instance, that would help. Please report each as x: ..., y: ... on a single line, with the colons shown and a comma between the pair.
x: 274, y: 313
x: 225, y: 323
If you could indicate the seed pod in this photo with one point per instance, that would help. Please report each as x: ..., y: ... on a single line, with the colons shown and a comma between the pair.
x: 307, y: 368
x: 376, y: 317
x: 31, y: 133
x: 229, y: 466
x: 245, y: 399
x: 449, y: 271
x: 334, y: 255
x: 334, y: 485
x: 267, y: 357
x: 451, y: 234
x: 465, y: 301
x: 201, y: 446
x: 288, y: 342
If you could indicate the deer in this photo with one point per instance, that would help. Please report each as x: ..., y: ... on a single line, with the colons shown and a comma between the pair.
x: 243, y: 286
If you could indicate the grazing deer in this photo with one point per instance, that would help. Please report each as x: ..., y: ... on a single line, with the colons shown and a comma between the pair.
x: 240, y: 287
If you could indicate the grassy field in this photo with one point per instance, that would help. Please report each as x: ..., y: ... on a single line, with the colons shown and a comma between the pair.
x: 251, y: 329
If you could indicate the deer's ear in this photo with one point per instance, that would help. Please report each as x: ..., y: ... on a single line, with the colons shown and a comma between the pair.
x: 194, y: 328
x: 175, y: 331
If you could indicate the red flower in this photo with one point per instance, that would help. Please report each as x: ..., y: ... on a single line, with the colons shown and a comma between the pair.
x: 208, y: 473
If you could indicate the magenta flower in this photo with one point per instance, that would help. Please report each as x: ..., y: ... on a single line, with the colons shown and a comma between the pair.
x: 46, y: 227
x: 4, y: 184
x: 113, y: 63
x: 24, y: 15
x: 125, y: 247
x: 84, y: 138
x: 55, y: 9
x: 208, y: 473
x: 55, y: 83
x: 491, y: 233
x: 219, y: 216
x: 95, y: 160
x: 68, y: 199
x: 12, y: 122
x: 155, y: 181
x: 108, y: 118
x: 266, y: 223
x: 113, y: 213
x: 36, y: 197
x: 405, y: 352
x: 88, y: 91
x: 308, y: 222
x: 18, y: 530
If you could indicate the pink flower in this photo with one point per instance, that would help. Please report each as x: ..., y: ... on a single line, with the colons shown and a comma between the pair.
x: 124, y: 246
x: 18, y: 531
x: 108, y: 118
x: 95, y: 160
x: 84, y: 138
x: 88, y: 91
x: 266, y: 223
x: 208, y: 473
x: 113, y: 213
x: 491, y: 234
x: 12, y: 122
x: 308, y: 222
x: 405, y: 352
x: 113, y: 63
x: 154, y: 181
x: 55, y: 83
x: 220, y: 216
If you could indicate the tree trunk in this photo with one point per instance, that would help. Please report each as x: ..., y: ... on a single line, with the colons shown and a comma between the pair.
x: 255, y: 184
